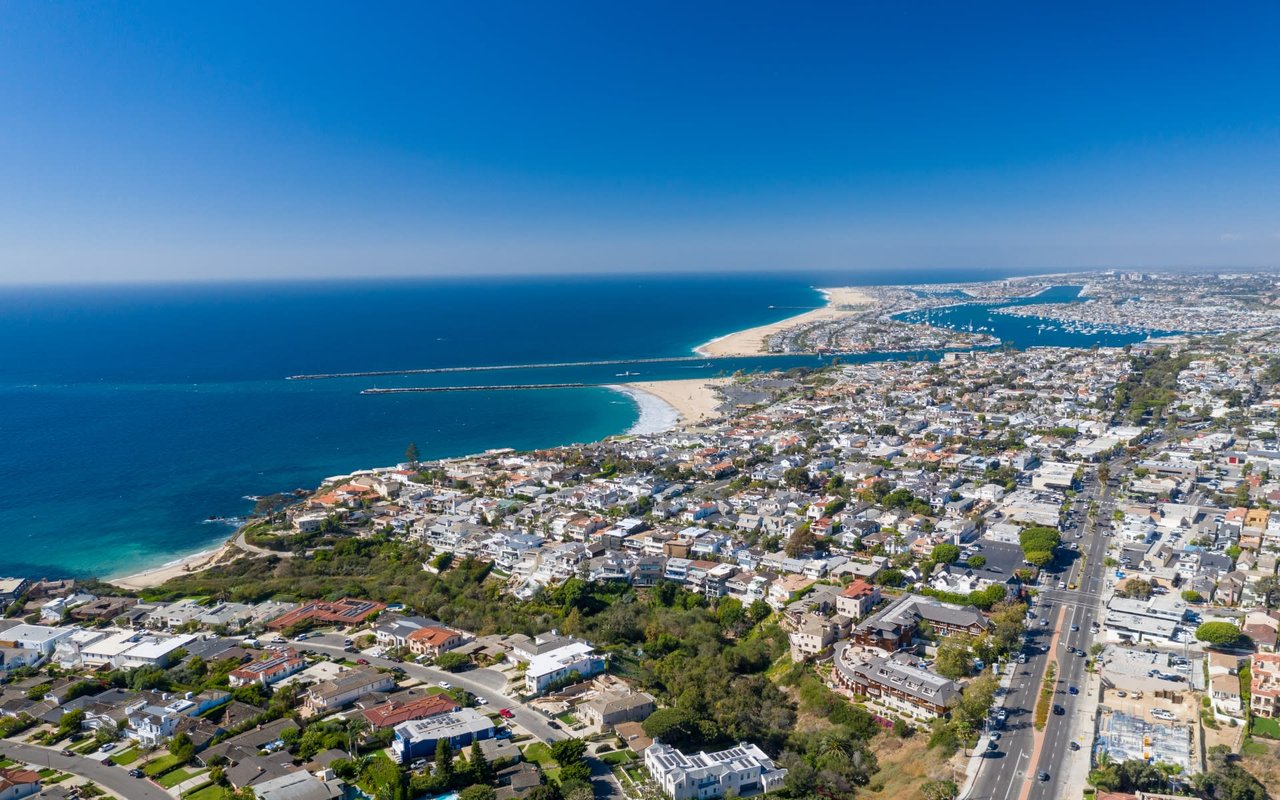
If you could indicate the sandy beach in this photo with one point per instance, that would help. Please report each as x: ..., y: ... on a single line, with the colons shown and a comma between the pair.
x: 693, y: 401
x: 173, y: 569
x: 841, y: 301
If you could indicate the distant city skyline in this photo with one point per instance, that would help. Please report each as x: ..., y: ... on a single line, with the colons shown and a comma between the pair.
x: 152, y: 141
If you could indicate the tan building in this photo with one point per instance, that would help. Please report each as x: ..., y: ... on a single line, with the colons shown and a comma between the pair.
x: 1264, y: 688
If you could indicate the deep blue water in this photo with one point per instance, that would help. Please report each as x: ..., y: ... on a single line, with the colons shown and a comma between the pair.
x: 130, y: 414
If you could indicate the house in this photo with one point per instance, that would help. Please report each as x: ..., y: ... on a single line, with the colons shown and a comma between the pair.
x: 742, y: 770
x: 345, y: 689
x: 857, y: 599
x: 432, y: 640
x: 786, y: 589
x: 274, y: 665
x: 1264, y: 685
x: 347, y: 611
x: 397, y: 712
x: 300, y: 785
x: 896, y: 682
x: 1225, y: 690
x: 418, y: 739
x: 811, y: 637
x: 613, y: 707
x: 552, y: 666
x: 18, y: 783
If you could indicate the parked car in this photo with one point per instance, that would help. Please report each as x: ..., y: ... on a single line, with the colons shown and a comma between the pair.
x: 364, y: 662
x: 505, y: 713
x: 107, y: 748
x: 445, y: 685
x: 136, y: 773
x: 1074, y: 745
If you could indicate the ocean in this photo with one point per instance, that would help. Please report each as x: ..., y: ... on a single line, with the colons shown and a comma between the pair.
x: 132, y: 414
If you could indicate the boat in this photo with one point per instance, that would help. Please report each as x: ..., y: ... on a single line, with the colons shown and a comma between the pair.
x: 626, y: 374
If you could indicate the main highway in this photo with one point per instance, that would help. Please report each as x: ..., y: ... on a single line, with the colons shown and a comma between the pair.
x: 1062, y: 625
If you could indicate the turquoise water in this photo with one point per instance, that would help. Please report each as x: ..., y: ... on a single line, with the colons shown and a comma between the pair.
x: 129, y: 415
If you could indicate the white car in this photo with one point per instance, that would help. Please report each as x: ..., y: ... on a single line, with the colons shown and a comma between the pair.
x: 480, y: 701
x: 445, y: 685
x: 1160, y: 713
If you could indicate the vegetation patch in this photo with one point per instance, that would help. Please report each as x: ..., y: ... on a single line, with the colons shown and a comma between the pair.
x: 1045, y: 701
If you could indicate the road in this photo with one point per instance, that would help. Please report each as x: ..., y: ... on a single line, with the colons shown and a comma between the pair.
x: 114, y: 778
x: 1005, y: 772
x: 486, y: 683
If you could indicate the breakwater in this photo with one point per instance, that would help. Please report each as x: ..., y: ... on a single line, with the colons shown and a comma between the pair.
x: 497, y: 367
x: 492, y: 388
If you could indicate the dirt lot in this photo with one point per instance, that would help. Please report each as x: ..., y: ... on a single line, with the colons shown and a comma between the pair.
x: 905, y: 764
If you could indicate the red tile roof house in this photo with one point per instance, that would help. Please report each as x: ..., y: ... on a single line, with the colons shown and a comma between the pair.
x: 17, y: 783
x: 275, y: 665
x: 432, y: 640
x: 857, y: 599
x: 389, y: 715
x: 347, y: 611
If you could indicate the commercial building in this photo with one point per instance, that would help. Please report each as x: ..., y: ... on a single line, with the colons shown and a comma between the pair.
x: 346, y: 611
x: 897, y: 683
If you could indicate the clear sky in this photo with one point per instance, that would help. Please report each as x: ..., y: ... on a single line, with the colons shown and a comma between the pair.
x: 176, y: 140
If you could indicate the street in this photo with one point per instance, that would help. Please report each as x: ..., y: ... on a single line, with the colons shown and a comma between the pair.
x: 1007, y: 773
x: 113, y: 778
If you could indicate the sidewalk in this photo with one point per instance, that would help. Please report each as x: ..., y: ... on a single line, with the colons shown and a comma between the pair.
x: 978, y: 758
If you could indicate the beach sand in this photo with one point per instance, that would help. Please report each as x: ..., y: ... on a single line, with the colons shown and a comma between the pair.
x: 182, y: 566
x: 693, y: 400
x: 753, y: 341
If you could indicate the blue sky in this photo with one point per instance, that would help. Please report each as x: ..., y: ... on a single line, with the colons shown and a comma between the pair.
x: 161, y: 140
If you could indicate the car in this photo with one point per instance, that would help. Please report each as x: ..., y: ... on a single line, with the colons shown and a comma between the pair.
x: 350, y: 649
x: 1072, y: 690
x: 347, y: 642
x: 1080, y: 652
x: 1022, y: 658
x: 418, y: 764
x: 364, y: 662
x: 1058, y: 710
x: 1075, y: 628
x: 107, y: 748
x: 502, y: 733
x: 302, y: 637
x: 1044, y: 623
x: 505, y: 713
x: 136, y: 773
x: 995, y: 736
x: 445, y: 685
x: 1074, y: 745
x: 398, y: 670
x: 1043, y: 776
x: 68, y: 753
x: 992, y: 746
x: 480, y: 701
x: 1121, y: 693
x: 551, y: 723
x: 1062, y: 584
x: 1044, y: 648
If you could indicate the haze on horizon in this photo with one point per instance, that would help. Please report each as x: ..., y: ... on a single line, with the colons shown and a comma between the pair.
x: 175, y: 141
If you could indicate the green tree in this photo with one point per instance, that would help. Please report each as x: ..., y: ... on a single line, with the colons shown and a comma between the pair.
x: 451, y: 662
x: 182, y: 748
x: 1218, y: 634
x: 954, y: 659
x: 801, y: 541
x: 945, y: 553
x: 481, y: 769
x: 477, y: 792
x: 411, y: 453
